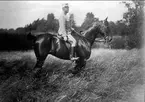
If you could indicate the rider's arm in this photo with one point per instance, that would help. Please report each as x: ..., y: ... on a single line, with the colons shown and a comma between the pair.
x: 68, y: 23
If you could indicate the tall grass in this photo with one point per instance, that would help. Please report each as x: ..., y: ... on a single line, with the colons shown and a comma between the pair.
x: 109, y: 76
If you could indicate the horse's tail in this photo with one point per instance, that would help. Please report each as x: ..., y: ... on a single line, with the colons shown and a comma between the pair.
x: 30, y: 36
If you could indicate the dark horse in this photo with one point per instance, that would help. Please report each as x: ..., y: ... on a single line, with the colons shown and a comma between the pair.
x: 47, y: 43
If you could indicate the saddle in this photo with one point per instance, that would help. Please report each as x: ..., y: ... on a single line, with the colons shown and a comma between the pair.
x: 60, y: 37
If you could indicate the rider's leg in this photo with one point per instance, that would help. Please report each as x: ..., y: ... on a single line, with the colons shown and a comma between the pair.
x: 72, y: 50
x: 72, y: 53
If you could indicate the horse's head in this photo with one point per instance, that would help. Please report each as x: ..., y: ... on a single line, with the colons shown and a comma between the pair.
x: 102, y: 28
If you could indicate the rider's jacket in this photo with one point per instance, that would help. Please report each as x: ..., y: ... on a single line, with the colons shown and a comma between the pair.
x: 63, y: 24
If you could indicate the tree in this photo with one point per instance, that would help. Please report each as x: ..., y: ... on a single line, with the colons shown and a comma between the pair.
x: 113, y: 28
x: 11, y: 30
x: 50, y: 17
x: 52, y: 23
x: 121, y: 28
x: 20, y: 30
x: 41, y: 25
x: 89, y: 19
x: 72, y: 21
x: 133, y: 18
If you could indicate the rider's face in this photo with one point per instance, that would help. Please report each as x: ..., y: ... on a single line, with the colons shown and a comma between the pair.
x: 66, y: 9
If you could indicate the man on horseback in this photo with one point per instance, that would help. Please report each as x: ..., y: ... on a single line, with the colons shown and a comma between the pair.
x: 65, y: 30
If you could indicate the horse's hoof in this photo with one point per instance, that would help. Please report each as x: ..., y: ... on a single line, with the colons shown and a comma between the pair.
x: 36, y: 73
x: 73, y: 71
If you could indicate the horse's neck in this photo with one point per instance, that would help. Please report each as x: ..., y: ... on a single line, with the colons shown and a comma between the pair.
x: 90, y: 36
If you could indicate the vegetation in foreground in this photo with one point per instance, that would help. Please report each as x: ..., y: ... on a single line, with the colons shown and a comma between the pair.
x: 109, y: 76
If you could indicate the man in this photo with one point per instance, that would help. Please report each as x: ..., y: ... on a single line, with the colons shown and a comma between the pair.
x: 65, y: 30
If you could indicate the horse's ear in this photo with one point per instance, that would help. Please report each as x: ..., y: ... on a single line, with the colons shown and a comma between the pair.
x: 106, y: 19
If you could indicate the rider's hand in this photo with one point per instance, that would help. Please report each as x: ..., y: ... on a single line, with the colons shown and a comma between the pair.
x: 69, y: 32
x: 72, y: 28
x: 65, y: 38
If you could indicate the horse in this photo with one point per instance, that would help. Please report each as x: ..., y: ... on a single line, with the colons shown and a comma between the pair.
x: 48, y: 43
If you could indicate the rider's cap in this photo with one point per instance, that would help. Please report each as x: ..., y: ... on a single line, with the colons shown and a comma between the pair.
x: 65, y: 5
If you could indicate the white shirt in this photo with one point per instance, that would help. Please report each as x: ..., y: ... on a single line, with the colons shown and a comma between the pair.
x: 62, y: 23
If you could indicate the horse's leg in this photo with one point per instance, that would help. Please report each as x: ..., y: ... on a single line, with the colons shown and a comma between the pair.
x: 80, y: 64
x: 38, y: 65
x: 41, y: 56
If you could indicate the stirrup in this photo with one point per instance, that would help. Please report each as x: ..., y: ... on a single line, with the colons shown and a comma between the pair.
x: 74, y: 58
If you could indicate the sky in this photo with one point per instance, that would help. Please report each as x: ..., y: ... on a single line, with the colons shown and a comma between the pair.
x: 15, y: 14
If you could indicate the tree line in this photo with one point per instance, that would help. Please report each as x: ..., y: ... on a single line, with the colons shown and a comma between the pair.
x: 130, y: 28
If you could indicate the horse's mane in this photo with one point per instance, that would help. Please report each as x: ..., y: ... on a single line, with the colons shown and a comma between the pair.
x: 98, y: 24
x: 77, y: 33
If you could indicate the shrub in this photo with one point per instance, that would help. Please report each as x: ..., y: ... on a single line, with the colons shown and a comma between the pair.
x: 118, y: 42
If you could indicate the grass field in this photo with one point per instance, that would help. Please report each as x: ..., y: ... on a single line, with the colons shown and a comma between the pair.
x: 109, y: 76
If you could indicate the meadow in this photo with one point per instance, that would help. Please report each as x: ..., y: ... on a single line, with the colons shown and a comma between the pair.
x: 110, y: 76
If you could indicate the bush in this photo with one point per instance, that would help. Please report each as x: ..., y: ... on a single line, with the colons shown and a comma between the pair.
x: 100, y: 45
x: 134, y: 41
x: 118, y: 42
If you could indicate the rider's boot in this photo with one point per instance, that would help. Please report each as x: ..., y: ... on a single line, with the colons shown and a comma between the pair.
x: 72, y: 54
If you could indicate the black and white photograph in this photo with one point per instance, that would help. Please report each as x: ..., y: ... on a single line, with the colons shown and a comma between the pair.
x: 72, y: 51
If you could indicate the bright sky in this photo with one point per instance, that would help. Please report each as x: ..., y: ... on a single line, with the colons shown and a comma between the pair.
x: 15, y: 14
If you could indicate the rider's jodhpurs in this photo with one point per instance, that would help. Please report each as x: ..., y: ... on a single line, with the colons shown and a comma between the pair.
x: 72, y: 40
